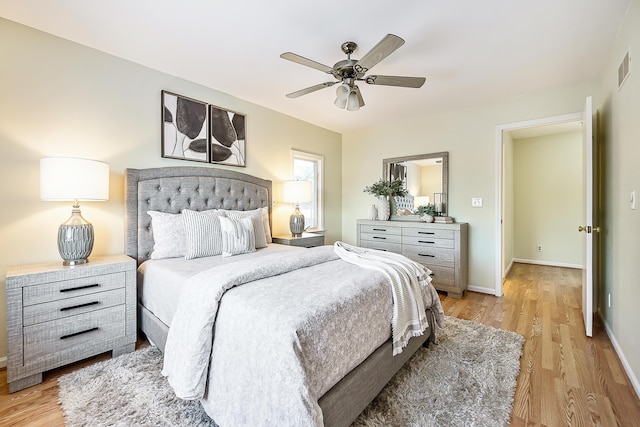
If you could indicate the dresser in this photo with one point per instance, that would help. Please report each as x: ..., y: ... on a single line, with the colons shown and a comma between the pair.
x: 440, y: 247
x: 57, y: 315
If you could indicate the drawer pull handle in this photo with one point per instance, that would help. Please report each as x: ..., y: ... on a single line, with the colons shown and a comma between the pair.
x: 425, y: 241
x: 426, y: 232
x: 64, y: 337
x: 430, y: 256
x: 80, y: 305
x: 384, y: 250
x: 77, y: 288
x: 379, y: 229
x: 378, y: 237
x: 432, y: 274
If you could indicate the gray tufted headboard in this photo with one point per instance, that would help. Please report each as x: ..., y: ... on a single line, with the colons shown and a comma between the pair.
x: 171, y: 189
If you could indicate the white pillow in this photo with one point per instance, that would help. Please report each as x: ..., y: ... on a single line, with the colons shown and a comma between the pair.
x: 258, y: 224
x: 203, y: 236
x: 238, y: 236
x: 265, y: 224
x: 168, y: 235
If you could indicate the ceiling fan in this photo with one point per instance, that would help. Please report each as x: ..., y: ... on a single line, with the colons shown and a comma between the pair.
x: 349, y: 71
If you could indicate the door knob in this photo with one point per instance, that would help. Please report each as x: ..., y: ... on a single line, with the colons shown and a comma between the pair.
x: 588, y: 229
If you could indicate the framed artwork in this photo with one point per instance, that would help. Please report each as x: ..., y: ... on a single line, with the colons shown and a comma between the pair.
x: 227, y: 137
x: 184, y: 128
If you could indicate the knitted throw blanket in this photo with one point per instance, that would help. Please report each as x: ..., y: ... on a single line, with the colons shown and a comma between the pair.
x: 409, y: 280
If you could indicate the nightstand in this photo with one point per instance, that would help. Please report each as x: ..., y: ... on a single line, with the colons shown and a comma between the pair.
x: 57, y: 315
x: 307, y: 240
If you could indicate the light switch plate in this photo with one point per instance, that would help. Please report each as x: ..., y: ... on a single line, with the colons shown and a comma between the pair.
x: 476, y: 202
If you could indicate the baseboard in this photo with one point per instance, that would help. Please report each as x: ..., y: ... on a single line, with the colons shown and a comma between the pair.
x: 491, y: 291
x: 547, y: 263
x: 3, y: 362
x: 506, y: 273
x: 625, y: 364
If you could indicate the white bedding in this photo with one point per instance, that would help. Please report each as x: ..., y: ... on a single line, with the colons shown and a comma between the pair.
x: 160, y: 281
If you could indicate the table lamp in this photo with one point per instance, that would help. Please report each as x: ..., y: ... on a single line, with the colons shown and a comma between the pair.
x: 71, y: 179
x: 297, y: 192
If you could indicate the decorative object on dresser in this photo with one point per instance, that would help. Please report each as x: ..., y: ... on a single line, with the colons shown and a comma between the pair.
x: 425, y: 212
x: 307, y: 240
x: 440, y: 247
x: 383, y: 189
x: 373, y: 212
x: 57, y: 315
x: 296, y: 192
x: 72, y: 179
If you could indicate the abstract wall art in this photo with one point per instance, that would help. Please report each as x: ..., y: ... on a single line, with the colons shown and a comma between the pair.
x: 227, y: 137
x: 184, y: 128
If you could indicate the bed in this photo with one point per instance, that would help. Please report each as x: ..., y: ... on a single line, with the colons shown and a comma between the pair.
x: 173, y: 190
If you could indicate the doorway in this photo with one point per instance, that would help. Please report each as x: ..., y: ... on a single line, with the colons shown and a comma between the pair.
x: 504, y: 170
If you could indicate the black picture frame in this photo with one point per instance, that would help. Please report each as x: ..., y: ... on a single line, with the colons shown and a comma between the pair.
x: 185, y: 128
x: 227, y: 137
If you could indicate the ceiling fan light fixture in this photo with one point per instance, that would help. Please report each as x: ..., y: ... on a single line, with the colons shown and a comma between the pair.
x: 353, y: 103
x: 342, y: 93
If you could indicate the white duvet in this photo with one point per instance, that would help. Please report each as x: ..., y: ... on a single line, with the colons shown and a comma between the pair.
x: 270, y: 349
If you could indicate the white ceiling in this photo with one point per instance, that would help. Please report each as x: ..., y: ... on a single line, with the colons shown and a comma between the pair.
x: 471, y: 52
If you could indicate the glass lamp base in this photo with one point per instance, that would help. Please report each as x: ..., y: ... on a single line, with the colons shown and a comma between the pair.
x: 296, y: 223
x: 75, y: 239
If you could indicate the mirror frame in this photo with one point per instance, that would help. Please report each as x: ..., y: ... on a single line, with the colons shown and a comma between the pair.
x: 445, y: 178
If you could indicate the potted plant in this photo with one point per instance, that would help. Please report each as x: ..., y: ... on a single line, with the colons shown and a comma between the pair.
x: 383, y: 190
x: 425, y: 212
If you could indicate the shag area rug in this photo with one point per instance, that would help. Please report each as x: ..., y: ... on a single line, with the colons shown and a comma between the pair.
x: 467, y: 379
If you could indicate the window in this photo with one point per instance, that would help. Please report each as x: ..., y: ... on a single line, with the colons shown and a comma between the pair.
x: 310, y: 167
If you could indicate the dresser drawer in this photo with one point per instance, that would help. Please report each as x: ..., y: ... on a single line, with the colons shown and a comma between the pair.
x: 378, y: 237
x: 47, y: 340
x: 381, y: 245
x: 380, y: 229
x: 428, y: 232
x: 442, y: 276
x: 429, y: 255
x: 48, y: 311
x: 65, y: 289
x: 428, y: 241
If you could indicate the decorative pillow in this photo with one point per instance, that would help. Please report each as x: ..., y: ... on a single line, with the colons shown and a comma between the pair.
x: 203, y: 236
x: 265, y: 224
x: 258, y: 226
x: 238, y: 236
x: 168, y: 235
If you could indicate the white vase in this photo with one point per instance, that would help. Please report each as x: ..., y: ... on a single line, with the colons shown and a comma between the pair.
x: 384, y: 210
x: 373, y: 212
x: 427, y: 218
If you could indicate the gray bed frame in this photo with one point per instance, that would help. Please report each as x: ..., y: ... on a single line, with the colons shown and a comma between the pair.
x: 171, y: 189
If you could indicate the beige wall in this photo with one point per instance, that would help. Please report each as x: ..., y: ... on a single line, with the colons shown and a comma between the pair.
x: 58, y: 98
x: 470, y: 138
x: 619, y: 134
x: 548, y: 199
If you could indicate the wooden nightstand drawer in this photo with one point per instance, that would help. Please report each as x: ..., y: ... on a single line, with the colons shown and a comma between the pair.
x: 64, y: 289
x: 48, y: 311
x: 44, y: 340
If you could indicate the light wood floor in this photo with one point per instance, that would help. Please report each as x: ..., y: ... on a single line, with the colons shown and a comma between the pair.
x: 566, y: 379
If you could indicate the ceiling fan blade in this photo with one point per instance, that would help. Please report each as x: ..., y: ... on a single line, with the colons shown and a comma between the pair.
x: 402, y: 81
x: 308, y: 62
x: 310, y: 89
x: 384, y: 48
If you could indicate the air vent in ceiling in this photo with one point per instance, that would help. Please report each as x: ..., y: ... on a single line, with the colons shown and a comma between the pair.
x: 623, y: 70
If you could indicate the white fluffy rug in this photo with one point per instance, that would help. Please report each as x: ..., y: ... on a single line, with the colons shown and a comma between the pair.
x: 467, y: 379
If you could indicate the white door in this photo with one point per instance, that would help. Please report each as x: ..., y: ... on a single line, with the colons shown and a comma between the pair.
x: 589, y: 225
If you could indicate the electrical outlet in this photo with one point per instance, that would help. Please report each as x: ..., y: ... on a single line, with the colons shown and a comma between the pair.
x: 476, y: 202
x: 539, y: 248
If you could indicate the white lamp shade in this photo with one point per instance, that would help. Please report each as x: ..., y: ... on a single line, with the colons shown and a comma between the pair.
x: 297, y: 191
x: 66, y: 178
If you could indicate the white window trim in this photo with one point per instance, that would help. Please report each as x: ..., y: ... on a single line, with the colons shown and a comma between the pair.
x: 319, y: 159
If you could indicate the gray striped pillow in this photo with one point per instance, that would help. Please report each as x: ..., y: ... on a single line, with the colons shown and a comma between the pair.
x: 238, y: 236
x: 258, y: 225
x: 203, y: 235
